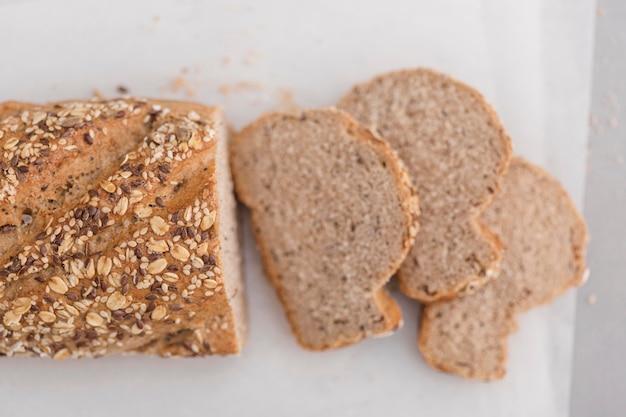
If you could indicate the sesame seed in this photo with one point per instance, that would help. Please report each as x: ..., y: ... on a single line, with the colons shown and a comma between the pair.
x: 62, y: 354
x: 11, y: 318
x: 180, y: 253
x: 170, y: 277
x: 158, y: 313
x: 104, y: 265
x: 207, y: 221
x: 210, y: 283
x: 47, y: 317
x: 21, y: 305
x: 143, y: 211
x: 108, y: 186
x: 94, y: 319
x: 202, y: 249
x: 158, y: 225
x: 157, y: 266
x: 10, y: 143
x: 159, y: 246
x: 121, y: 207
x: 188, y: 214
x: 57, y: 285
x: 117, y: 301
x: 195, y: 142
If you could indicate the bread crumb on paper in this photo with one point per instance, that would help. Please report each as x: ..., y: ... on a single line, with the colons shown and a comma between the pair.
x: 97, y: 94
x: 225, y: 90
x: 591, y: 299
x: 287, y: 101
x: 250, y: 58
x: 241, y: 87
x: 178, y: 83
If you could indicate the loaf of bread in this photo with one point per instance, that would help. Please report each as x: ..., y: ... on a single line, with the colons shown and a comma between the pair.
x: 545, y: 240
x: 456, y: 151
x: 118, y: 231
x: 334, y: 215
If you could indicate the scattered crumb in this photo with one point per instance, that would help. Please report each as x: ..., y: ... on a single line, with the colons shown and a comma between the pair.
x: 156, y: 18
x: 591, y: 299
x: 613, y: 121
x: 225, y: 61
x: 241, y: 87
x: 286, y: 100
x: 184, y: 70
x: 178, y: 83
x: 225, y: 90
x: 97, y: 94
x: 620, y: 159
x: 601, y: 12
x: 593, y: 120
x: 613, y: 100
x: 251, y: 56
x: 249, y: 85
x: 122, y: 89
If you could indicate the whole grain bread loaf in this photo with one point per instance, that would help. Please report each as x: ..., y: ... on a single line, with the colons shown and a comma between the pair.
x: 117, y: 230
x: 456, y: 151
x: 545, y: 240
x: 334, y: 215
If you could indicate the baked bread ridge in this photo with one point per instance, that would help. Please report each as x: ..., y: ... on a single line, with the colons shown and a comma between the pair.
x: 129, y: 255
x: 456, y: 150
x: 329, y: 242
x: 545, y: 239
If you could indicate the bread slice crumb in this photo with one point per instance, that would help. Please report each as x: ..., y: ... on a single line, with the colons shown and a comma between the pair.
x: 334, y: 215
x: 545, y: 239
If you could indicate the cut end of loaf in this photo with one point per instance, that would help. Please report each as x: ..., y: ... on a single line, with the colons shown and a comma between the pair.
x: 334, y: 215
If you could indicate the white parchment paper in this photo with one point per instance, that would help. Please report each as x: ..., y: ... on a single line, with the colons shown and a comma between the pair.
x: 531, y: 59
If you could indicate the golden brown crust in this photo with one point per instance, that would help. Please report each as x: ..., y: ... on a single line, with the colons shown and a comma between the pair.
x: 130, y: 263
x: 390, y: 309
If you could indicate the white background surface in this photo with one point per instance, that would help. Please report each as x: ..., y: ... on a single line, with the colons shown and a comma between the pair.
x: 531, y: 59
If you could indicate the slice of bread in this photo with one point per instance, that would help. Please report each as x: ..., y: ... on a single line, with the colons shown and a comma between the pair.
x: 456, y: 151
x: 545, y: 239
x: 334, y: 215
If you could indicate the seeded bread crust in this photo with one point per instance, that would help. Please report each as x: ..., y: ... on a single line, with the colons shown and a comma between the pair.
x: 545, y: 239
x: 258, y: 141
x: 113, y: 231
x: 456, y: 151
